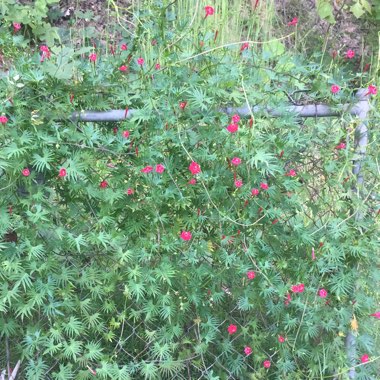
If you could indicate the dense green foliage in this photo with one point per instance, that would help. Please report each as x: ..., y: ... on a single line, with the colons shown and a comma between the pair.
x: 94, y: 273
x: 32, y: 15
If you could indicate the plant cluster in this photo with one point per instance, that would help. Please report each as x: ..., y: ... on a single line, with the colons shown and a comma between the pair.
x: 183, y: 242
x: 31, y: 16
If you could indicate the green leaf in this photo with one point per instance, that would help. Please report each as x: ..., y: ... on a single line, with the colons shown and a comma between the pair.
x: 357, y: 9
x: 273, y: 49
x: 366, y: 5
x: 65, y: 373
x: 73, y: 327
x: 43, y: 162
x: 36, y: 369
x: 325, y: 11
x: 13, y: 150
x: 72, y: 349
x: 36, y: 215
x: 149, y: 370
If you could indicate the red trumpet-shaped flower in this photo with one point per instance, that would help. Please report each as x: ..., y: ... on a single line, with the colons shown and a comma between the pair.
x: 209, y: 10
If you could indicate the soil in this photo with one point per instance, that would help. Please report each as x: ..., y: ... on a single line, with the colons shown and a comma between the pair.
x: 347, y: 33
x: 96, y: 15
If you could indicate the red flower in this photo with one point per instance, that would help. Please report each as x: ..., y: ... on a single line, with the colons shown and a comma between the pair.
x: 275, y: 221
x: 115, y: 129
x: 126, y: 134
x: 194, y: 168
x: 232, y: 329
x: 281, y: 339
x: 124, y: 47
x: 244, y: 46
x: 376, y: 315
x: 291, y: 173
x: 341, y: 146
x: 147, y: 169
x: 209, y: 10
x: 322, y: 293
x: 25, y: 172
x: 372, y: 90
x: 251, y: 275
x: 93, y: 57
x: 45, y: 53
x: 350, y: 54
x: 140, y: 61
x: 62, y: 172
x: 182, y: 105
x: 248, y: 350
x: 235, y: 118
x: 3, y: 119
x: 186, y: 235
x: 232, y: 128
x: 103, y: 184
x: 264, y: 186
x: 255, y: 192
x: 295, y: 288
x: 364, y: 358
x: 335, y: 88
x: 266, y: 364
x: 238, y: 183
x: 123, y: 68
x: 193, y: 181
x: 16, y: 27
x: 298, y: 288
x: 157, y: 66
x: 160, y: 168
x: 236, y: 161
x: 130, y: 191
x: 153, y: 42
x: 293, y: 22
x: 334, y: 54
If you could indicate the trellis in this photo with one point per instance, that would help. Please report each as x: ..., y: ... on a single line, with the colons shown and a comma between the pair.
x: 360, y: 108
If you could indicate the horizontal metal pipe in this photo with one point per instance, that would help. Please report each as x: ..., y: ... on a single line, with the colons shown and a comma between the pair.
x: 310, y: 110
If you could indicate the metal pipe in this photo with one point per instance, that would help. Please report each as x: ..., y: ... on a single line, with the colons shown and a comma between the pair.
x: 361, y: 136
x: 310, y: 110
x: 361, y: 142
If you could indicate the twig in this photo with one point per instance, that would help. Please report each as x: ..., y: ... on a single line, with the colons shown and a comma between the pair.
x: 8, y: 356
x: 15, y: 370
x: 231, y: 44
